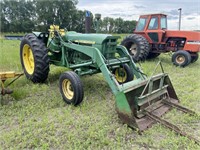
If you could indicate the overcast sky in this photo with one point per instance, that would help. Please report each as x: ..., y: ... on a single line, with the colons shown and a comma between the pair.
x: 131, y: 9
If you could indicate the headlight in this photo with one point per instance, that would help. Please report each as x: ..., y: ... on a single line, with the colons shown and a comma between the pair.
x: 41, y: 35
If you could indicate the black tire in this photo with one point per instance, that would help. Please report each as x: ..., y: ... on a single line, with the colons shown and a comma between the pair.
x: 71, y: 88
x: 194, y: 57
x: 34, y: 58
x: 123, y: 74
x: 137, y: 46
x: 152, y: 55
x: 181, y: 58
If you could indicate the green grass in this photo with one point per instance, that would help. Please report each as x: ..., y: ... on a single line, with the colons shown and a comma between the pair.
x: 36, y: 117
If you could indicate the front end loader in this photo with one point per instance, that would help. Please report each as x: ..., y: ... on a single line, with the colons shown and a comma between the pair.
x: 140, y: 101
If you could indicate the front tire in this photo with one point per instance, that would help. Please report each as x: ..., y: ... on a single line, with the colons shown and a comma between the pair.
x: 123, y: 74
x: 181, y: 58
x: 137, y: 46
x: 34, y: 58
x: 71, y: 88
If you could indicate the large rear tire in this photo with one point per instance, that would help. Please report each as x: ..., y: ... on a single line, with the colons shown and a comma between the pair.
x: 34, y: 58
x: 71, y: 88
x: 137, y: 46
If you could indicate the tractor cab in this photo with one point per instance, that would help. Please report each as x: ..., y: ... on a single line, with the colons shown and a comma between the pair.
x: 152, y: 27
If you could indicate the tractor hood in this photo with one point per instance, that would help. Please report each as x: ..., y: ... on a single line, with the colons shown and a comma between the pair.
x: 189, y: 35
x: 88, y: 38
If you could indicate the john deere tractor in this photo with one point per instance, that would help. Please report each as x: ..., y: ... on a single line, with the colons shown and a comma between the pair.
x: 137, y: 97
x: 151, y: 38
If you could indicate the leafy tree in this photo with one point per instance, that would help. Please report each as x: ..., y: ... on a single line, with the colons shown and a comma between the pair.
x: 18, y: 15
x: 110, y: 25
x: 118, y: 25
x: 105, y: 24
x: 129, y: 26
x: 59, y: 12
x: 29, y: 15
x: 4, y: 24
x: 78, y: 21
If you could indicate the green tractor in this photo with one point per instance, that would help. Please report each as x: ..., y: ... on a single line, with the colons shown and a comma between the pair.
x: 138, y: 98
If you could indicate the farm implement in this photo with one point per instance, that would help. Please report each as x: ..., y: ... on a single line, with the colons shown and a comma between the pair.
x: 3, y: 77
x: 151, y: 31
x: 140, y: 101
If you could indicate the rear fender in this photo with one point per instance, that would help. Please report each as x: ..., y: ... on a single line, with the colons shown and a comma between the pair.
x: 42, y: 36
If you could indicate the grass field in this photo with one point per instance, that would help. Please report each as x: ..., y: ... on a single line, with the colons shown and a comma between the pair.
x: 36, y: 117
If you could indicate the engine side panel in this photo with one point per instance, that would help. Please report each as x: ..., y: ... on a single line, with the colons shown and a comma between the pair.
x: 192, y: 39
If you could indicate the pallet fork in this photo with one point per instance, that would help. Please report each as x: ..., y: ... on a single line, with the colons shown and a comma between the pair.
x: 142, y: 105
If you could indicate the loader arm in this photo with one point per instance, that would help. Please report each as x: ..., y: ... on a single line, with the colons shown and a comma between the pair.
x: 103, y: 64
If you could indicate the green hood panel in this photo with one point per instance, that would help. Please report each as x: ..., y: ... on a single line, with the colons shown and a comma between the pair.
x: 88, y: 38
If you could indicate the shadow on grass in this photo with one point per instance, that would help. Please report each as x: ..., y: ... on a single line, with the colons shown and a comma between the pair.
x: 55, y: 73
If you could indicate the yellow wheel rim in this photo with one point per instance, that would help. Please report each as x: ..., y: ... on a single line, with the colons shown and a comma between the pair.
x: 67, y: 89
x: 180, y: 59
x: 121, y: 75
x: 28, y: 59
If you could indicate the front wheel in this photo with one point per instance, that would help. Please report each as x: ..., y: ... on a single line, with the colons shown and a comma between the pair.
x: 123, y: 74
x: 181, y: 58
x: 71, y: 88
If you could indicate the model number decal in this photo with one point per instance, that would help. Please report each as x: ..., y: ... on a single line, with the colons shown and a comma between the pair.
x: 193, y: 42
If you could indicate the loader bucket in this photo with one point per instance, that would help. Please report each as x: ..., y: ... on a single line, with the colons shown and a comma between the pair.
x: 132, y: 102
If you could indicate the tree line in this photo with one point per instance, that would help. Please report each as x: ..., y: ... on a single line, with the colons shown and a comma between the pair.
x: 37, y: 15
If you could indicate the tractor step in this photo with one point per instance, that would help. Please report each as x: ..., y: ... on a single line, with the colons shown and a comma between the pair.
x: 154, y: 116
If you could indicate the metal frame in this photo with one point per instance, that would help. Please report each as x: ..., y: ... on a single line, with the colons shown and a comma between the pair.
x: 3, y: 77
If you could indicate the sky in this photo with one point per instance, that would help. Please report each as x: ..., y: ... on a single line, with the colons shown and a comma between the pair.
x: 132, y: 9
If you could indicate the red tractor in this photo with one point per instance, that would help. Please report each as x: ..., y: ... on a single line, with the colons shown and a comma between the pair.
x: 151, y: 38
